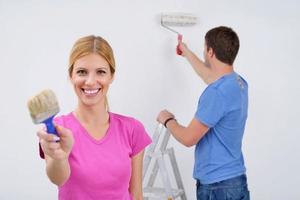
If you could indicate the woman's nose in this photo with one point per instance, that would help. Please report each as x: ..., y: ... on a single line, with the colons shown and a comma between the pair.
x: 91, y: 79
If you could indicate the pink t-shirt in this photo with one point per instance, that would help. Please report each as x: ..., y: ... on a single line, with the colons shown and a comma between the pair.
x: 101, y: 169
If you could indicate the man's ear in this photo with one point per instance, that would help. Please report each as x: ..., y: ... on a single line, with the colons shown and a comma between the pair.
x: 210, y: 52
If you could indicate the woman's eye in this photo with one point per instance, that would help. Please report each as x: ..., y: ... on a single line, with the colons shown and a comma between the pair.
x: 81, y: 72
x: 101, y: 72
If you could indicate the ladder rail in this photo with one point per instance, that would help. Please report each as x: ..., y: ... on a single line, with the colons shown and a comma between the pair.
x: 151, y: 149
x: 162, y: 147
x: 164, y: 176
x: 176, y: 172
x: 156, y: 153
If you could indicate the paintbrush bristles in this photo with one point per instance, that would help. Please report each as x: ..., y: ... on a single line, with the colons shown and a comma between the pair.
x: 43, y: 106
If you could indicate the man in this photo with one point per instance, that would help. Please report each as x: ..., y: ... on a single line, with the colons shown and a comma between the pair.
x: 218, y: 125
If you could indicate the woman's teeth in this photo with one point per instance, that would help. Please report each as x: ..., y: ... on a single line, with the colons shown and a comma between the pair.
x: 90, y: 91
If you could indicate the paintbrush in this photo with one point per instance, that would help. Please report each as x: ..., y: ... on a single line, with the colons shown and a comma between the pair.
x: 43, y: 107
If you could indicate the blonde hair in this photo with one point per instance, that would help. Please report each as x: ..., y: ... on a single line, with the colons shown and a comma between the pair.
x: 92, y: 44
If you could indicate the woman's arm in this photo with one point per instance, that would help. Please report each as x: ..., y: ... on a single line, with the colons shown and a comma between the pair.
x: 58, y: 171
x: 56, y: 154
x: 135, y: 187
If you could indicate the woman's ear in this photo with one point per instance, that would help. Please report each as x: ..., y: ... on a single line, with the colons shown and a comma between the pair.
x: 70, y: 79
x: 112, y: 78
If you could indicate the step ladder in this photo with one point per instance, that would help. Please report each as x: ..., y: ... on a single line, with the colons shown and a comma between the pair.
x: 155, y: 154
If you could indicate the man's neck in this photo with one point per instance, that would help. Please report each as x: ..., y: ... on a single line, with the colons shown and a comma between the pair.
x: 220, y: 69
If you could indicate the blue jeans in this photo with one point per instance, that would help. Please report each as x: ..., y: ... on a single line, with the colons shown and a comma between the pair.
x: 231, y: 189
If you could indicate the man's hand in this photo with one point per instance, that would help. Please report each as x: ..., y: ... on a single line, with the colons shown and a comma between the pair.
x: 163, y: 116
x: 183, y: 48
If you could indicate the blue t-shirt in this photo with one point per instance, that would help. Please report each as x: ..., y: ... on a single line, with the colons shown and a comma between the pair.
x: 223, y: 107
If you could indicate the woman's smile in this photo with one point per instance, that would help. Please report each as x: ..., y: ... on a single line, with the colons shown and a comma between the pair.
x: 91, y: 92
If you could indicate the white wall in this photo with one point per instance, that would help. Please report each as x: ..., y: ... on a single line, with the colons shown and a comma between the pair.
x: 35, y: 40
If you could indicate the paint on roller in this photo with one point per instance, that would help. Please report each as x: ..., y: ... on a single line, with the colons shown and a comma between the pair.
x: 178, y: 19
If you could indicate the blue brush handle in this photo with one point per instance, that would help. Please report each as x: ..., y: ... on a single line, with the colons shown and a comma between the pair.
x: 50, y: 126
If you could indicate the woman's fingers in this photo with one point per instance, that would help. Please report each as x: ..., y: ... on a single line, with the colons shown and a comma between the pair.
x: 54, y: 146
x: 47, y: 137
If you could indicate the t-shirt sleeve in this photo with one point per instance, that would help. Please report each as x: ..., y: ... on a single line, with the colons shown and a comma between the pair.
x: 59, y: 120
x: 211, y: 107
x: 140, y: 138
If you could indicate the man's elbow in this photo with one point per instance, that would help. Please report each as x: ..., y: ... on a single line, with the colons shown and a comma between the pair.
x: 189, y: 142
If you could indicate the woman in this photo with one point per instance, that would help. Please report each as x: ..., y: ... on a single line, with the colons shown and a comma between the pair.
x: 100, y: 153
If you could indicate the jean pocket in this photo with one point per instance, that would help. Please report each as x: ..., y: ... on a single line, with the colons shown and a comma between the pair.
x: 203, y: 195
x: 237, y: 194
x: 246, y: 195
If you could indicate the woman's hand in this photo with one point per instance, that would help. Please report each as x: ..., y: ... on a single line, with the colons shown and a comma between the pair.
x: 58, y: 148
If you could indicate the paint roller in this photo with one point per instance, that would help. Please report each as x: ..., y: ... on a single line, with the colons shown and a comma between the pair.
x: 177, y: 19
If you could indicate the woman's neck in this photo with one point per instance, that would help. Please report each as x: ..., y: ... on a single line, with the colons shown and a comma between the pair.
x: 94, y: 115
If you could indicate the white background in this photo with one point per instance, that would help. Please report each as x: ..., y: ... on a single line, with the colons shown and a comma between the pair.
x: 35, y: 41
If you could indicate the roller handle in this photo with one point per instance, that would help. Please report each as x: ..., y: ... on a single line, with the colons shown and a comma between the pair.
x: 179, y: 38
